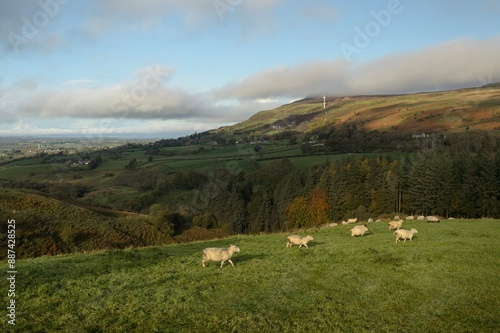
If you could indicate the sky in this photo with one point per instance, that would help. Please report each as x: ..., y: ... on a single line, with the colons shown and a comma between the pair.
x: 167, y: 68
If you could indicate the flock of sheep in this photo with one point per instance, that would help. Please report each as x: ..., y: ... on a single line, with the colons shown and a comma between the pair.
x: 225, y: 254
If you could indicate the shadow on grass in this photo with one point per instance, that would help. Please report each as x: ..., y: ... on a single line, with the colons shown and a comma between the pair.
x: 247, y: 257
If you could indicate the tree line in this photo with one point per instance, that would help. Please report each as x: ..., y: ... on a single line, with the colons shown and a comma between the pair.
x: 459, y: 177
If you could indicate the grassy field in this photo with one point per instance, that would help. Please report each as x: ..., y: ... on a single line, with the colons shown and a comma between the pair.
x: 446, y: 280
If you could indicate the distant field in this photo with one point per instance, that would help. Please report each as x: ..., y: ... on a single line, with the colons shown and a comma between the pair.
x: 446, y: 280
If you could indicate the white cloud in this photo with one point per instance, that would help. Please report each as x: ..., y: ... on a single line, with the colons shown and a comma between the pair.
x: 448, y: 65
x: 28, y: 25
x: 78, y: 82
x: 454, y: 64
x: 310, y: 78
x: 194, y: 14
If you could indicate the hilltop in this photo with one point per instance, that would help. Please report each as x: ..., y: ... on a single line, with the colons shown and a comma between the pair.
x: 426, y: 112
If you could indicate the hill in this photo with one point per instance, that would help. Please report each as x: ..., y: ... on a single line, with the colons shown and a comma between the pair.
x: 47, y: 226
x: 445, y: 280
x: 429, y: 112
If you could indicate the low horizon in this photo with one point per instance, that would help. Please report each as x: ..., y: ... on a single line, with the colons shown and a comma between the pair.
x: 178, y: 134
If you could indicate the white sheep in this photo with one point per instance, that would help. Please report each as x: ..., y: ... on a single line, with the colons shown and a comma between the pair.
x: 370, y: 220
x: 421, y: 217
x: 395, y: 225
x: 298, y: 240
x: 397, y: 217
x: 354, y: 220
x: 432, y: 219
x: 405, y: 234
x: 359, y: 230
x: 219, y: 254
x: 409, y: 217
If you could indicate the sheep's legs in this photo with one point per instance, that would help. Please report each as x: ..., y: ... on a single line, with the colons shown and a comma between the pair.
x: 230, y: 262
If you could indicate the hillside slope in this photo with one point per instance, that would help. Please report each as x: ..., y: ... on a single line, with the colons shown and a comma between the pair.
x: 444, y: 111
x: 49, y: 226
x: 444, y: 280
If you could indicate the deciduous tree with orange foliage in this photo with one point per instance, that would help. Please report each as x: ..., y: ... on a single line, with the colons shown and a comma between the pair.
x: 318, y: 207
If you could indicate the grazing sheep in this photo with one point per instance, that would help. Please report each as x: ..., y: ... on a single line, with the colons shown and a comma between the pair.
x: 409, y: 217
x: 405, y: 234
x: 421, y: 217
x: 378, y: 220
x: 298, y: 240
x: 432, y: 219
x: 359, y: 230
x: 451, y: 218
x: 397, y: 217
x: 354, y: 220
x: 219, y: 254
x: 370, y: 220
x: 344, y: 223
x: 395, y: 225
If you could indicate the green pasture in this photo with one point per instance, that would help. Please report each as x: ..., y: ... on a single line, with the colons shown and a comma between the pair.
x: 23, y: 172
x: 445, y: 280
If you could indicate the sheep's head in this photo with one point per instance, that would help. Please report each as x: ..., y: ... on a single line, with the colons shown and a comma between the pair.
x: 234, y: 248
x: 309, y: 238
x: 414, y: 230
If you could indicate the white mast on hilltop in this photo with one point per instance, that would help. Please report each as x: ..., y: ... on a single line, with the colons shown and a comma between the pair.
x: 324, y: 102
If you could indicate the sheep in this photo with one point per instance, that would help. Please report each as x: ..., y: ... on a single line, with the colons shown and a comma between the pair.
x: 432, y: 219
x: 329, y: 225
x: 344, y: 223
x: 378, y: 220
x: 409, y: 217
x: 397, y: 217
x: 359, y: 230
x: 298, y: 240
x: 370, y: 220
x: 219, y: 254
x: 421, y: 217
x: 405, y: 234
x: 354, y: 220
x: 395, y: 225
